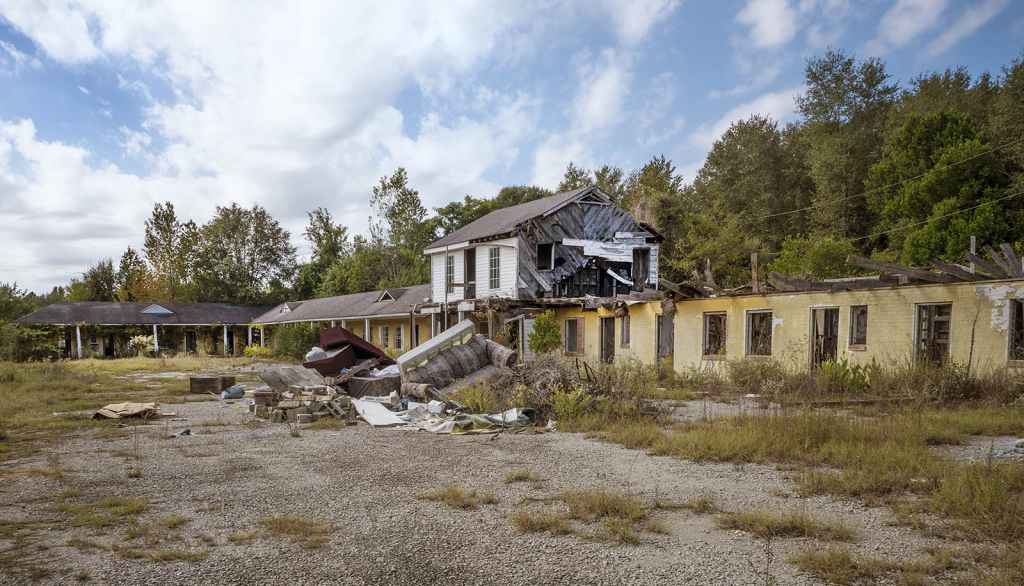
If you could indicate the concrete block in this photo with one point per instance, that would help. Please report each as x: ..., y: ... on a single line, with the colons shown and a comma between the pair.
x: 304, y: 418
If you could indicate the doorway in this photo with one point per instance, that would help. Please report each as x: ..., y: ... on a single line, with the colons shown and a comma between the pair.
x: 607, y: 340
x: 824, y: 335
x: 108, y: 346
x: 932, y: 344
x: 190, y: 342
x: 231, y: 343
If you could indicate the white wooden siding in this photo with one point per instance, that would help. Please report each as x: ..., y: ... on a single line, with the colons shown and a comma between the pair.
x: 509, y: 256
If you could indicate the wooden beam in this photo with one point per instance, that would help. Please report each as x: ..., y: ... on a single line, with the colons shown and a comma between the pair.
x: 707, y: 273
x: 999, y: 260
x: 666, y: 284
x: 755, y: 285
x: 1018, y: 270
x: 983, y: 265
x: 785, y: 282
x: 957, y: 271
x: 877, y: 265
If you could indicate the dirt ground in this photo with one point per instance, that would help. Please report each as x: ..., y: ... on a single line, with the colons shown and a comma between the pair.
x: 234, y: 470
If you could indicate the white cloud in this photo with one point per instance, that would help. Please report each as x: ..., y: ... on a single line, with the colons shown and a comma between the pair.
x: 904, y: 22
x: 84, y: 90
x: 15, y: 61
x: 779, y: 105
x: 635, y: 19
x: 773, y: 23
x: 973, y: 18
x: 134, y: 142
x: 604, y: 86
x: 59, y: 28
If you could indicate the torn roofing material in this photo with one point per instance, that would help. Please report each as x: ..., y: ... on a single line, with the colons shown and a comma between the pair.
x: 134, y: 313
x: 507, y: 219
x: 397, y: 302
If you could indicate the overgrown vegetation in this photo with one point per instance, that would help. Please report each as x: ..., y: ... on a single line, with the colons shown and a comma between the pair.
x: 309, y: 533
x: 457, y: 497
x: 798, y: 523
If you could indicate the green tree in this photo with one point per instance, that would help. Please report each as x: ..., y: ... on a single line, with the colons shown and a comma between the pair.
x: 457, y: 214
x: 958, y: 174
x: 243, y: 252
x: 612, y: 181
x: 171, y: 247
x: 574, y: 178
x: 132, y: 274
x: 399, y: 234
x: 546, y: 335
x: 329, y: 244
x: 844, y: 111
x: 822, y: 259
x: 100, y: 281
x: 13, y: 302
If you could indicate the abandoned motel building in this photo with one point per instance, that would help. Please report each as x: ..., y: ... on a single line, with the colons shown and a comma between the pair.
x: 596, y: 267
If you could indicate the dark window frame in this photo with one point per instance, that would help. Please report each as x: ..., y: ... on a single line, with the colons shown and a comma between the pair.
x: 547, y: 255
x: 624, y: 333
x: 494, y: 268
x: 706, y: 350
x: 571, y: 324
x: 756, y: 330
x: 858, y: 340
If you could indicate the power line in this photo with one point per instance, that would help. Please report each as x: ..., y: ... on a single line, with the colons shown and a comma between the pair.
x: 938, y: 218
x: 925, y: 174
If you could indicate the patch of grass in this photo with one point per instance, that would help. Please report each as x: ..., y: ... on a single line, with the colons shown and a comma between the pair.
x: 324, y: 424
x: 309, y: 533
x: 836, y: 564
x: 85, y: 545
x: 133, y: 473
x: 457, y: 497
x: 479, y: 398
x: 521, y: 475
x: 239, y: 538
x: 790, y: 524
x: 83, y: 575
x: 656, y: 526
x: 164, y: 555
x: 621, y: 531
x: 595, y: 504
x: 206, y: 539
x: 108, y: 512
x: 112, y: 431
x: 172, y: 521
x: 554, y: 522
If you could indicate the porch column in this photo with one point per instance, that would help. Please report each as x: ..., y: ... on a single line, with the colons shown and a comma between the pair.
x: 412, y: 330
x: 366, y: 330
x: 250, y: 336
x: 332, y: 324
x: 462, y: 315
x: 156, y: 343
x: 78, y: 333
x: 261, y: 336
x: 433, y: 325
x: 344, y: 323
x: 225, y: 340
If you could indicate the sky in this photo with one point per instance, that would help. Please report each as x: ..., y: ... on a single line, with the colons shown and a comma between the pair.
x: 110, y: 106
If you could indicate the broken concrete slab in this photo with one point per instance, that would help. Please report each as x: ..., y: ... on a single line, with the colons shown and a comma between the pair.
x: 376, y: 414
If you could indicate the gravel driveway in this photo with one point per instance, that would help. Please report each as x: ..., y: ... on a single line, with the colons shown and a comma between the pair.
x: 234, y: 470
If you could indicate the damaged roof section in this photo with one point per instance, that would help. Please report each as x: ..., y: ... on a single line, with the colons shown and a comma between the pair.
x: 136, y: 313
x: 389, y: 302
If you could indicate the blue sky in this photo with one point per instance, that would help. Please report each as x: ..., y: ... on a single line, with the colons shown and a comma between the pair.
x: 107, y: 107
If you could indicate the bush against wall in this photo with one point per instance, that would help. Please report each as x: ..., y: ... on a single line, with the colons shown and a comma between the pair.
x: 26, y: 342
x: 294, y: 340
x: 546, y: 336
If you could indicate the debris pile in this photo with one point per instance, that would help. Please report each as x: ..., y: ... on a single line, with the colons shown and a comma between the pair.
x: 358, y: 379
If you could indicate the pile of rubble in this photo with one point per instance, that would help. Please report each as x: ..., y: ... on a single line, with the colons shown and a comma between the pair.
x: 347, y: 377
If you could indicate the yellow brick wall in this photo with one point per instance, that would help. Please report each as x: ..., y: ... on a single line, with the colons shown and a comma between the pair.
x: 979, y: 311
x: 642, y: 344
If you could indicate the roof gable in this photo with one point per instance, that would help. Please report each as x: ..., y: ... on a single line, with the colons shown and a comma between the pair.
x: 156, y: 310
x: 507, y: 219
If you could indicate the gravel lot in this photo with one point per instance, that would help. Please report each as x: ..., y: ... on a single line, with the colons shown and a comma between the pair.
x: 235, y: 470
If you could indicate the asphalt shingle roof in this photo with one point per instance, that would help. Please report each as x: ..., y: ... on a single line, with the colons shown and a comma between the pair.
x: 348, y: 306
x: 130, y: 313
x: 506, y: 219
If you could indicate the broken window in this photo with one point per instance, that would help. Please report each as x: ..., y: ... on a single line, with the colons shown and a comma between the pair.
x: 759, y: 333
x: 545, y: 256
x: 383, y: 337
x: 859, y: 325
x: 714, y: 334
x: 495, y: 268
x: 933, y: 332
x: 571, y: 335
x: 449, y: 273
x: 624, y: 331
x: 469, y: 268
x: 641, y: 268
x: 1016, y: 329
x: 399, y: 337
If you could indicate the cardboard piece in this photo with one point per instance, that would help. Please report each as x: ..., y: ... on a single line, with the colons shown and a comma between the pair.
x: 124, y: 410
x: 376, y: 414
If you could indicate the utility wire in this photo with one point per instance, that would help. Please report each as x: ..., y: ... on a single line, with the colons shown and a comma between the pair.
x: 1005, y: 197
x: 926, y: 173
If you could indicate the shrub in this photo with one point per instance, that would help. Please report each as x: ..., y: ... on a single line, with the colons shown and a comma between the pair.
x: 569, y: 404
x: 142, y: 345
x: 546, y: 335
x: 841, y: 378
x: 753, y: 375
x: 256, y: 350
x: 294, y: 340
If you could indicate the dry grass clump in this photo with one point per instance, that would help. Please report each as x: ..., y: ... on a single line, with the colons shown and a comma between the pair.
x: 589, y: 505
x: 457, y: 497
x: 164, y: 555
x: 790, y: 524
x: 108, y: 512
x: 554, y: 522
x: 309, y: 533
x: 240, y: 538
x: 836, y: 564
x: 521, y: 475
x: 702, y: 505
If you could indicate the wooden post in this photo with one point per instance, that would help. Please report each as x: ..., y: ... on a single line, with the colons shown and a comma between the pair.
x: 366, y: 330
x: 332, y: 324
x: 225, y: 352
x: 412, y: 330
x: 433, y: 325
x: 78, y: 333
x: 250, y: 336
x: 156, y: 343
x: 753, y: 273
x: 974, y: 250
x: 261, y: 336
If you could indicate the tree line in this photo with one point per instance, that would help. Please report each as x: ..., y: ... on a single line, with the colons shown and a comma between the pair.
x: 903, y: 173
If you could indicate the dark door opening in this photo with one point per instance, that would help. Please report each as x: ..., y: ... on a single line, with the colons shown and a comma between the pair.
x: 932, y: 342
x: 108, y: 346
x: 607, y: 340
x: 190, y: 342
x: 67, y: 344
x: 231, y: 343
x: 469, y: 264
x: 641, y: 268
x: 824, y: 335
